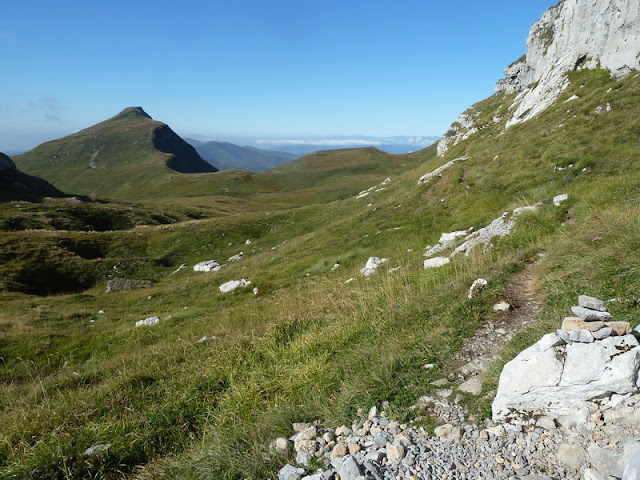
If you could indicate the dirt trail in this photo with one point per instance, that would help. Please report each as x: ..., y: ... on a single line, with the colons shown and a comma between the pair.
x: 493, y: 336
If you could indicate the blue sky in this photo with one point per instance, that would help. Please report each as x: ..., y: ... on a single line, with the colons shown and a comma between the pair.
x: 253, y: 68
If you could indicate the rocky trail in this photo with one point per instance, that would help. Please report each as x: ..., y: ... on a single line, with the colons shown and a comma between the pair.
x: 594, y: 438
x: 520, y: 307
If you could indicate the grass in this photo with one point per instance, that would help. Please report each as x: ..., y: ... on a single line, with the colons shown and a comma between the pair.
x: 308, y: 346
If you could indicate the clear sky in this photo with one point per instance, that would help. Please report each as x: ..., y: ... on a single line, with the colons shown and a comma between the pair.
x: 253, y: 67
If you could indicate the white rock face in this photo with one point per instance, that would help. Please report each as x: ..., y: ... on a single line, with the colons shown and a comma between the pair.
x: 574, y: 34
x: 557, y: 380
x: 207, y: 266
x: 500, y: 227
x: 428, y: 176
x: 372, y: 264
x: 233, y: 285
x: 447, y: 240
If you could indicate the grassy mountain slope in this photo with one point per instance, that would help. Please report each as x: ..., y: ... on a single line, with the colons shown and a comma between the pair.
x: 308, y: 346
x: 127, y: 156
x: 315, y: 178
x: 227, y: 156
x: 132, y: 157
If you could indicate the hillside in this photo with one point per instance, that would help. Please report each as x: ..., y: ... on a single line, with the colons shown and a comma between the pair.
x: 124, y: 156
x: 543, y: 209
x: 131, y: 157
x: 15, y: 185
x: 227, y: 156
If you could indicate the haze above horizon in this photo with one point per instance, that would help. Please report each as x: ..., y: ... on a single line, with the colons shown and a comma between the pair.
x: 253, y: 69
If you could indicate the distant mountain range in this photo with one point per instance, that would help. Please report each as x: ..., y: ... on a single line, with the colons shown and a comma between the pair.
x: 227, y: 156
x: 299, y: 146
x: 260, y: 154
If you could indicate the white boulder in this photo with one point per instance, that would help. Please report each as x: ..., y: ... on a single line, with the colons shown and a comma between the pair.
x: 207, y: 266
x: 148, y: 322
x: 236, y: 258
x: 557, y: 380
x: 233, y: 285
x: 372, y: 264
x: 435, y: 262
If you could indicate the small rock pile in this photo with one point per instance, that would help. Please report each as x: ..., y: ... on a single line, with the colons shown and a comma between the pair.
x: 378, y: 448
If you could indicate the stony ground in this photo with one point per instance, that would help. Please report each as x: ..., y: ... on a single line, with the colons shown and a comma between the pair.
x: 379, y: 448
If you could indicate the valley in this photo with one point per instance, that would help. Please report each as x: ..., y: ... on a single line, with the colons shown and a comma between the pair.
x: 204, y: 391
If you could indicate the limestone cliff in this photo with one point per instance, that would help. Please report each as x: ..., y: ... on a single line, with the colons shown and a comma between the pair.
x: 574, y: 34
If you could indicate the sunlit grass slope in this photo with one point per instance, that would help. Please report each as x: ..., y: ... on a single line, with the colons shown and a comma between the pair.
x: 133, y: 157
x: 307, y: 346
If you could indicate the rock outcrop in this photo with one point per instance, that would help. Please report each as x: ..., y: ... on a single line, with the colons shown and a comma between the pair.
x: 371, y: 266
x: 572, y: 35
x: 118, y: 284
x: 207, y: 266
x: 590, y: 363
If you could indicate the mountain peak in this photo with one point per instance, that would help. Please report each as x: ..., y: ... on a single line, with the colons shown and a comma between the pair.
x: 131, y: 113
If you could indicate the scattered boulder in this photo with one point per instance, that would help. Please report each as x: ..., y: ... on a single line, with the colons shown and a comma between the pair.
x: 289, y: 472
x: 236, y: 258
x: 207, y: 338
x: 118, y: 284
x: 447, y: 240
x: 207, y: 266
x: 372, y: 264
x: 472, y: 386
x: 500, y: 227
x: 233, y: 285
x: 280, y: 445
x: 436, y: 262
x: 148, y: 322
x: 502, y: 307
x: 559, y: 199
x: 604, y: 108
